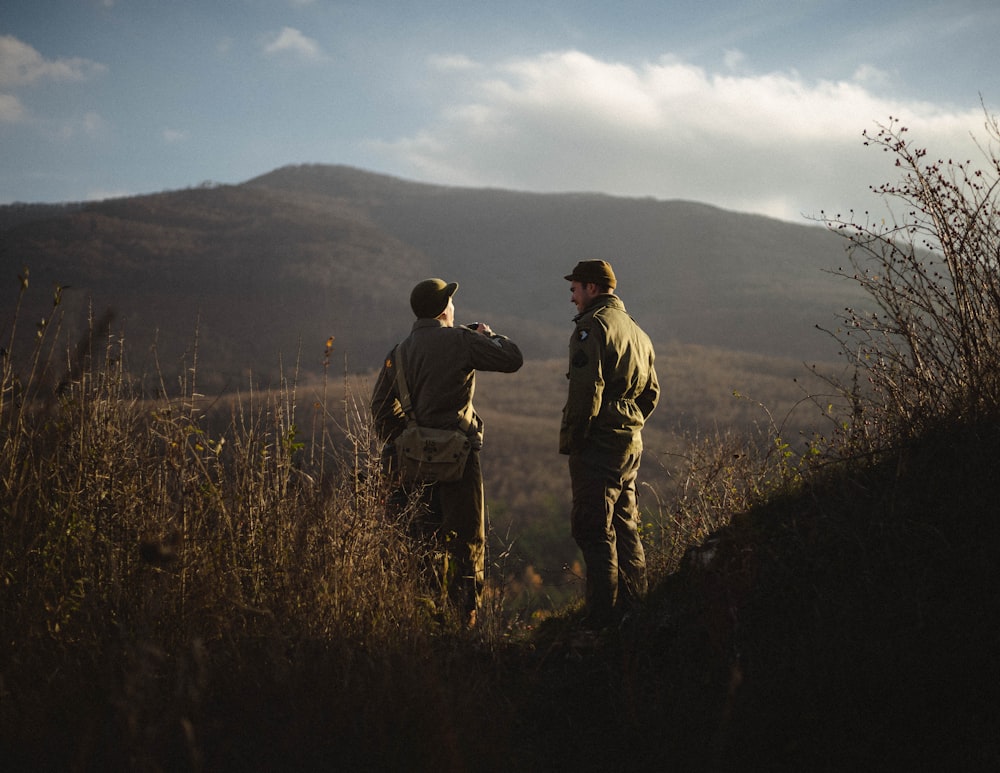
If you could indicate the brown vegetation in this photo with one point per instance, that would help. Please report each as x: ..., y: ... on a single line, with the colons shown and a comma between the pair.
x: 209, y: 583
x: 273, y: 267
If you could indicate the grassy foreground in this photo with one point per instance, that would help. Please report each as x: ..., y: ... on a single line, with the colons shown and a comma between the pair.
x: 180, y: 597
x: 177, y: 594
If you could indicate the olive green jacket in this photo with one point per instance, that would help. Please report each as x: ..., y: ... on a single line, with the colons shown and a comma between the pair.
x: 440, y: 366
x: 612, y: 382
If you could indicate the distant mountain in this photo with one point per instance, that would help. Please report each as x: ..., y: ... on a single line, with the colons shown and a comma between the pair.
x: 264, y: 270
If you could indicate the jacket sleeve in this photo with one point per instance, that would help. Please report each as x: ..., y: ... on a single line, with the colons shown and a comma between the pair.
x: 387, y: 413
x: 495, y: 353
x: 650, y: 395
x: 586, y: 388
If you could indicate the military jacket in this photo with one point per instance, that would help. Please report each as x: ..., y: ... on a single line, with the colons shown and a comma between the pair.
x: 440, y: 367
x: 612, y: 382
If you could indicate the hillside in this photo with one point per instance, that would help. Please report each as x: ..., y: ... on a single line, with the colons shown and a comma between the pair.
x: 688, y: 271
x: 850, y: 626
x: 234, y: 285
x: 271, y: 268
x: 185, y: 593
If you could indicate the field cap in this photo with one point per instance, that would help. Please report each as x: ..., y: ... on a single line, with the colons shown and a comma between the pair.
x: 597, y: 271
x: 430, y: 297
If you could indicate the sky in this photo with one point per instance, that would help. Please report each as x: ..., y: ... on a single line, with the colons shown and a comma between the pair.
x: 751, y: 105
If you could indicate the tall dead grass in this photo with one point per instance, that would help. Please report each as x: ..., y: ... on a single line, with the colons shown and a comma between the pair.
x: 159, y: 553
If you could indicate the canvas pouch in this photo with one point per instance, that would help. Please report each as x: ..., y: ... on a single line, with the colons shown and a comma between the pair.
x: 428, y: 455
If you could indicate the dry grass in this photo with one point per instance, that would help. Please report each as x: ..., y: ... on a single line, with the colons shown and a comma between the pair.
x: 177, y: 567
x: 209, y: 584
x: 154, y: 547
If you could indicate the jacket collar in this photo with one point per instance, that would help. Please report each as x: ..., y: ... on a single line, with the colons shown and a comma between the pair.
x: 422, y: 322
x: 600, y: 302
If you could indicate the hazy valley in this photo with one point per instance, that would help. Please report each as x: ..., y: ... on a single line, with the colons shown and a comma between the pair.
x: 276, y: 265
x: 188, y: 584
x: 247, y: 283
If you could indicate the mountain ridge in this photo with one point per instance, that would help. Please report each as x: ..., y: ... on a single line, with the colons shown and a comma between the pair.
x: 275, y: 265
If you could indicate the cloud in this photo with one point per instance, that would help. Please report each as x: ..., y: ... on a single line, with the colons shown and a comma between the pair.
x: 100, y: 194
x: 21, y: 65
x: 90, y: 125
x: 170, y: 136
x: 11, y: 109
x: 734, y: 59
x: 93, y: 124
x: 292, y: 41
x: 872, y: 77
x: 452, y: 63
x: 771, y: 143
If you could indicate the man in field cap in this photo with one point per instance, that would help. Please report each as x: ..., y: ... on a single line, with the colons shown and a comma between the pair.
x: 597, y: 272
x: 431, y: 297
x: 612, y: 391
x: 440, y: 362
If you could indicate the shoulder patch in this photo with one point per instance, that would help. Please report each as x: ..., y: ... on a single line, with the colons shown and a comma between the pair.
x: 583, y: 335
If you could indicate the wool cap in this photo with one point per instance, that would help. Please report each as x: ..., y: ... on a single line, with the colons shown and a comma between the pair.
x: 430, y: 297
x: 597, y: 271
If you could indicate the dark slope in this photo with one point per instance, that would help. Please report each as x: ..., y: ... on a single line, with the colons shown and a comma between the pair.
x: 285, y: 260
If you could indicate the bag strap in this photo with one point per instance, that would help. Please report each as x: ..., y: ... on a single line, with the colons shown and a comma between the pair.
x: 402, y: 388
x: 404, y: 394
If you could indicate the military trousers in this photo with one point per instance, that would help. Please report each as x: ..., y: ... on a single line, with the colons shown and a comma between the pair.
x: 605, y: 525
x: 456, y: 517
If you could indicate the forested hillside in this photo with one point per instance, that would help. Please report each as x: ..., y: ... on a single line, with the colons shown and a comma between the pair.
x: 266, y: 271
x: 209, y: 580
x: 223, y: 289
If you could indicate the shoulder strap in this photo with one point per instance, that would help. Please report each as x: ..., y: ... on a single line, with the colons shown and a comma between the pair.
x: 404, y: 394
x: 401, y: 387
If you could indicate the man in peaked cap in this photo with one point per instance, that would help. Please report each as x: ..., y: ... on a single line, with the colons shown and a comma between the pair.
x: 612, y: 391
x: 431, y: 297
x: 440, y: 363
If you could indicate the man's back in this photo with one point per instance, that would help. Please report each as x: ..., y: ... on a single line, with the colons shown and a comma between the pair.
x: 440, y: 365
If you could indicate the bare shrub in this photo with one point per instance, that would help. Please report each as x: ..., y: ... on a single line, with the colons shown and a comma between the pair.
x: 715, y: 478
x: 929, y: 347
x: 926, y: 353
